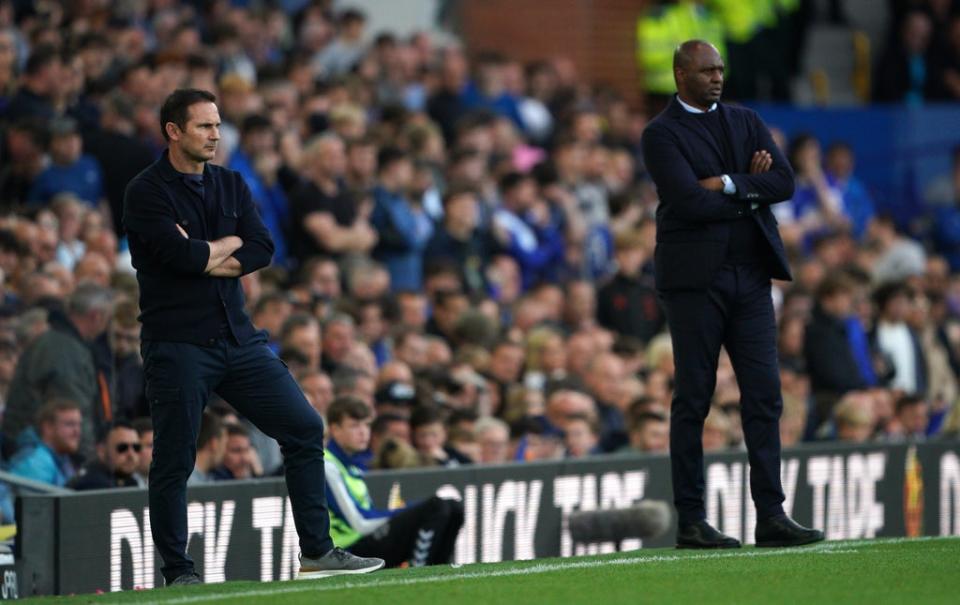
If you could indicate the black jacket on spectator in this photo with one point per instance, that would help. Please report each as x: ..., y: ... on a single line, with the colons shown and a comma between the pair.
x: 629, y: 306
x: 830, y: 362
x: 179, y: 302
x: 471, y: 255
x: 57, y: 364
x: 97, y: 476
x: 309, y: 198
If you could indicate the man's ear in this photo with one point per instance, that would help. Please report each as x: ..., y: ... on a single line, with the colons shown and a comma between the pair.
x: 173, y: 131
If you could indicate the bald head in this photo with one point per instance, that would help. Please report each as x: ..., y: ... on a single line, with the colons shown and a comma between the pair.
x: 683, y: 56
x: 698, y: 72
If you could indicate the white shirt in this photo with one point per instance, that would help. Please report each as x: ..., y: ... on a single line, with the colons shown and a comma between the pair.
x: 895, y: 341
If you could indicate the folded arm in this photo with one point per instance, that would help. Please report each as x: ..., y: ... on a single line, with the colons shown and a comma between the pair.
x: 678, y: 187
x: 771, y: 186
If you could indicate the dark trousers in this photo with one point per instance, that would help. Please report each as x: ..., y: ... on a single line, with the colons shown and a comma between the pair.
x: 736, y: 311
x: 179, y: 380
x: 421, y: 535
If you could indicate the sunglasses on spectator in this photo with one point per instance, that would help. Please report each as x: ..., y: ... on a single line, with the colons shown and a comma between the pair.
x: 123, y: 447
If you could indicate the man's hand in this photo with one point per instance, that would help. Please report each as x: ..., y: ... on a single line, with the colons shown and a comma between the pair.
x: 761, y: 162
x: 713, y: 183
x: 229, y: 268
x: 221, y: 250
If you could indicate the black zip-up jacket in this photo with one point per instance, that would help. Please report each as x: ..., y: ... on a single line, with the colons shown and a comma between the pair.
x: 178, y: 300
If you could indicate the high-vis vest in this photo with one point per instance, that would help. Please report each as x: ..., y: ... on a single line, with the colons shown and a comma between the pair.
x: 340, y: 531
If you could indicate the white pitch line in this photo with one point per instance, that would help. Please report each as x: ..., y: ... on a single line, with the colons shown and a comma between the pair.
x: 835, y: 547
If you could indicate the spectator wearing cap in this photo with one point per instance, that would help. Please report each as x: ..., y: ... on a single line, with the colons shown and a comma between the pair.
x: 58, y: 424
x: 627, y: 303
x: 117, y: 149
x: 117, y: 460
x: 404, y: 227
x: 70, y: 169
x: 39, y: 86
x: 325, y: 217
x: 59, y: 363
x: 395, y: 399
x: 258, y: 162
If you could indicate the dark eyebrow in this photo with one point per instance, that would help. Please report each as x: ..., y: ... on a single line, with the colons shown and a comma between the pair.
x: 202, y: 124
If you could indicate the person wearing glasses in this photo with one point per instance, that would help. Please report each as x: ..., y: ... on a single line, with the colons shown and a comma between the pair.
x: 118, y: 455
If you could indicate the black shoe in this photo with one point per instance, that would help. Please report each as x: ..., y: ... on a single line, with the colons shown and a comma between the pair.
x: 187, y: 579
x: 784, y: 531
x: 702, y: 535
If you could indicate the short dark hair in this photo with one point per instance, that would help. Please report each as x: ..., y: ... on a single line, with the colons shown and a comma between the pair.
x: 176, y: 107
x: 424, y: 415
x: 211, y: 427
x: 347, y: 407
x: 909, y: 401
x: 382, y: 421
x: 40, y: 58
x: 143, y: 424
x: 645, y: 418
x: 388, y: 156
x: 108, y: 428
x: 255, y: 122
x: 236, y: 430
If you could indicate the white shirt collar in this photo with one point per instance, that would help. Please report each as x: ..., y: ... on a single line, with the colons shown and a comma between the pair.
x: 693, y: 109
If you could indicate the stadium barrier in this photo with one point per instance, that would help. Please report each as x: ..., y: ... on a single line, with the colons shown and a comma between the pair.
x: 243, y: 530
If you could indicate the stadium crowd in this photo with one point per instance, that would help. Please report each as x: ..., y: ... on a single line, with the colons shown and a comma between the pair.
x: 464, y: 244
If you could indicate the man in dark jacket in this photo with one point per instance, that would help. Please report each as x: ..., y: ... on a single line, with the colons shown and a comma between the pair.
x: 717, y: 171
x: 118, y: 454
x: 830, y: 360
x: 194, y: 230
x: 60, y: 364
x: 627, y: 304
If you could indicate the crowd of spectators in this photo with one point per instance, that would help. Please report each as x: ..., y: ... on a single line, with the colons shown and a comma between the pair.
x: 464, y: 244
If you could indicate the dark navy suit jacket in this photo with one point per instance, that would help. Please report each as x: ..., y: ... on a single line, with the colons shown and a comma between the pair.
x: 178, y: 301
x: 693, y: 224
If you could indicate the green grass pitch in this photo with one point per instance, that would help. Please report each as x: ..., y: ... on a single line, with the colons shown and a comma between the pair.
x: 925, y: 570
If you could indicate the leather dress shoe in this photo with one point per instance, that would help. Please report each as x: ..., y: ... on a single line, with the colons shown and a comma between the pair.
x: 702, y: 535
x: 783, y: 531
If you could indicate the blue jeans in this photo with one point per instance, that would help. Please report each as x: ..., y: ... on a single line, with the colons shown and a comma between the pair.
x: 179, y: 380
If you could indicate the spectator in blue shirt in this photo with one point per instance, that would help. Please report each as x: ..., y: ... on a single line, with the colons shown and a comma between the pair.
x: 858, y: 204
x: 70, y: 169
x: 525, y: 227
x: 404, y: 228
x: 59, y: 423
x: 258, y: 162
